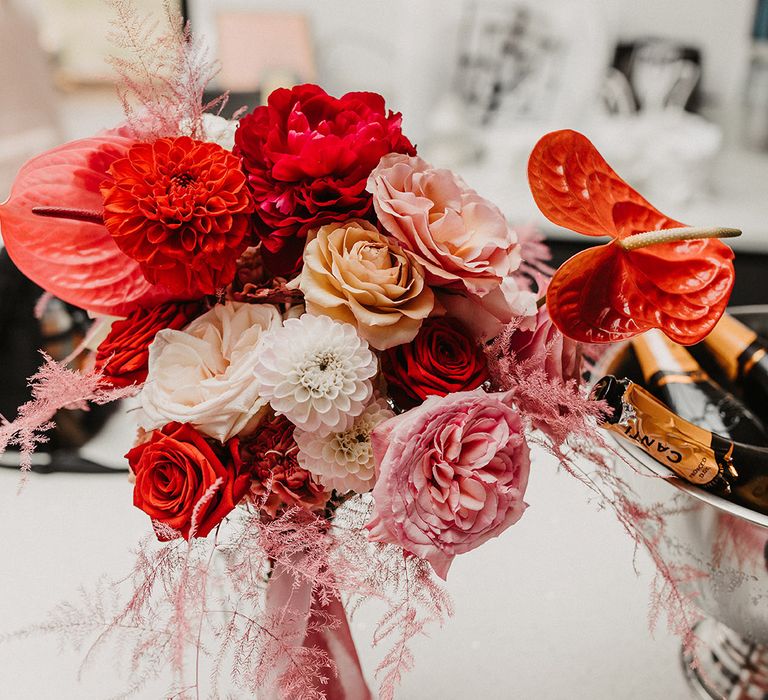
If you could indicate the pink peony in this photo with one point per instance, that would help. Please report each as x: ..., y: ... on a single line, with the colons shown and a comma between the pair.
x: 450, y: 474
x: 462, y: 239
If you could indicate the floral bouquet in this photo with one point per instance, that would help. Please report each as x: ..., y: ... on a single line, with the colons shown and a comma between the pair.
x: 339, y: 358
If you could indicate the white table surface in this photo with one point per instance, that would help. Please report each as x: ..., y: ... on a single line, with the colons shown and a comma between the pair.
x: 550, y: 610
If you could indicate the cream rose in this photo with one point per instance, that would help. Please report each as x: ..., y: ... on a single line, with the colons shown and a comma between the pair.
x: 204, y: 374
x: 462, y: 239
x: 354, y: 274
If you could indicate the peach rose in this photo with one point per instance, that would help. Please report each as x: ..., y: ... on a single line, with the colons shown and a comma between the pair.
x: 354, y: 274
x: 462, y: 239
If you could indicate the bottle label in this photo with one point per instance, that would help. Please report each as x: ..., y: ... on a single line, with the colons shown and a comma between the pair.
x: 729, y: 343
x: 677, y: 444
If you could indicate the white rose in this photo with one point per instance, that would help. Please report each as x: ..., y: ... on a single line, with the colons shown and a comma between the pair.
x: 204, y: 374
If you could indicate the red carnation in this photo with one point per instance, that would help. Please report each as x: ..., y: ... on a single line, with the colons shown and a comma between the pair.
x: 176, y: 470
x: 123, y: 355
x: 308, y: 156
x: 443, y: 358
x: 278, y: 480
x: 181, y: 208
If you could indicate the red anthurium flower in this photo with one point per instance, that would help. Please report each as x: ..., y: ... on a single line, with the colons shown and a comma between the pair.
x: 75, y: 259
x: 673, y: 278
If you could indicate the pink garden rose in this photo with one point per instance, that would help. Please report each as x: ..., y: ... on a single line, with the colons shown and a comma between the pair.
x: 462, y: 239
x: 450, y: 474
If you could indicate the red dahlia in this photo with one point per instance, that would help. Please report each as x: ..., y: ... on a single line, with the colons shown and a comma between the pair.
x: 278, y: 480
x: 181, y: 208
x: 308, y: 157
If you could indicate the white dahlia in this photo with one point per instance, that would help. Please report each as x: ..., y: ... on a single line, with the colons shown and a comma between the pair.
x: 344, y: 461
x: 317, y: 372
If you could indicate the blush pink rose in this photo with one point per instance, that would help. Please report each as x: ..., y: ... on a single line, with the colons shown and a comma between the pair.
x: 462, y: 240
x: 450, y: 474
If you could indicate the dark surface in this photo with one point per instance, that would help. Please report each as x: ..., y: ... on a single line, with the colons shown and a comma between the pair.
x: 20, y: 341
x: 20, y: 336
x: 751, y: 285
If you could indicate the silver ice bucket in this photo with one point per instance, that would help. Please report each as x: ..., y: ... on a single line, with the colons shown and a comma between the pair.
x: 727, y: 545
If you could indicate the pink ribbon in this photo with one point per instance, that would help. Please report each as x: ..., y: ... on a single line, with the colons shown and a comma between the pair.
x: 290, y: 604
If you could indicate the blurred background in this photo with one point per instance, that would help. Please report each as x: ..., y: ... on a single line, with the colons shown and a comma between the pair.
x: 675, y: 94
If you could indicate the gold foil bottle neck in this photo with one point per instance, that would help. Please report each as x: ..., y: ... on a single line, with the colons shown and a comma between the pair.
x: 657, y: 353
x: 682, y: 447
x: 727, y: 341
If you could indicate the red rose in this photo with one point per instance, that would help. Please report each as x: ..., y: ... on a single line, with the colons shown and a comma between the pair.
x: 308, y: 157
x: 278, y: 480
x: 174, y: 470
x: 123, y: 355
x: 181, y: 208
x: 443, y: 358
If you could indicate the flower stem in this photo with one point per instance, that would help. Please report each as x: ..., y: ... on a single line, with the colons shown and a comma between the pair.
x: 90, y: 216
x: 668, y: 235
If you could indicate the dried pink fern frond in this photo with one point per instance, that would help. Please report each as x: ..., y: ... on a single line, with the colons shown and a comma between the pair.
x: 163, y: 74
x: 54, y: 386
x: 419, y: 601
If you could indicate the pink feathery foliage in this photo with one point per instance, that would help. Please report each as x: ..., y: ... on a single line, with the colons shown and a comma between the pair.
x: 163, y: 74
x: 258, y: 605
x: 567, y: 421
x: 535, y: 256
x: 739, y: 543
x: 54, y: 386
x: 547, y: 400
x: 414, y: 598
x: 419, y: 601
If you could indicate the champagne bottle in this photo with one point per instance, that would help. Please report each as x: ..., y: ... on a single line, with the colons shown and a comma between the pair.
x: 741, y: 354
x: 733, y: 470
x: 673, y: 376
